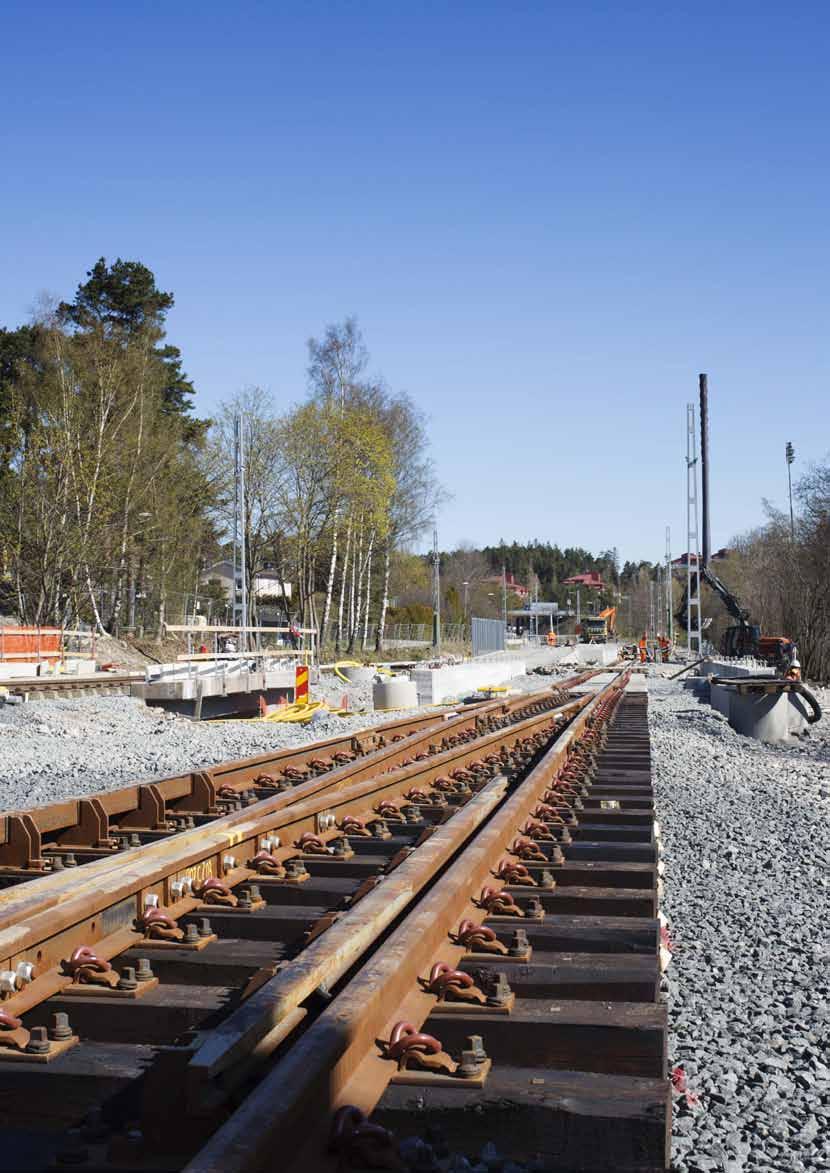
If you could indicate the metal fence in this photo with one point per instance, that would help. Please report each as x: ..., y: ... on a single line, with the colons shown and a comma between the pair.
x: 404, y: 633
x: 488, y: 636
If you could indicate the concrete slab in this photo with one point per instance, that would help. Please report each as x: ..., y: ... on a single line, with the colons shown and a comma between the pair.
x: 438, y: 684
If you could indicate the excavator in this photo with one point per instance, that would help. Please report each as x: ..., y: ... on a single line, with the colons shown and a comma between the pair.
x: 744, y: 638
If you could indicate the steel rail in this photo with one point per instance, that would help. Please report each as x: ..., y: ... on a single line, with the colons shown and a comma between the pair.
x: 98, y: 824
x: 99, y: 905
x: 337, y: 1064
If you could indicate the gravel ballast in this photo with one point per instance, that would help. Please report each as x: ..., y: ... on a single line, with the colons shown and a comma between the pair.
x: 745, y: 835
x: 57, y: 749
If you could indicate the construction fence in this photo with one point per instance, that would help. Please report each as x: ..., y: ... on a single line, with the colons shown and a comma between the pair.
x: 488, y: 636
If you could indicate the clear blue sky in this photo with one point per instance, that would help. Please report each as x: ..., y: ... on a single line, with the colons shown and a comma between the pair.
x: 547, y: 218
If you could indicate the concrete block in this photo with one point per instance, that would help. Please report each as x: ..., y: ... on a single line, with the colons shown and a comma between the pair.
x: 719, y: 697
x: 435, y: 685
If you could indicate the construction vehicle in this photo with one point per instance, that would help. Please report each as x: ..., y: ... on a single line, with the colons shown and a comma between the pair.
x: 600, y: 628
x: 744, y: 637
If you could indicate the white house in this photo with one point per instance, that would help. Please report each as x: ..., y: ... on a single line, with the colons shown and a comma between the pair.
x: 266, y: 582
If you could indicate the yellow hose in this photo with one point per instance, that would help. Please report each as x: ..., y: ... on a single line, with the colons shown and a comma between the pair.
x: 299, y: 714
x: 346, y: 664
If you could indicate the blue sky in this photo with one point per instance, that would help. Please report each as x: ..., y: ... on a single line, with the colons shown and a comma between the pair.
x: 548, y: 219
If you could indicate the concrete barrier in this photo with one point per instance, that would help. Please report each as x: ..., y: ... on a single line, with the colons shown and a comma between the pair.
x: 453, y: 680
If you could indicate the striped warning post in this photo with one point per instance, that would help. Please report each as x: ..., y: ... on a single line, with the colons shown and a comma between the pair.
x: 301, y: 685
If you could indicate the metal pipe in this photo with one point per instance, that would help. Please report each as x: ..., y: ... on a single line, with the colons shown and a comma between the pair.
x: 704, y: 467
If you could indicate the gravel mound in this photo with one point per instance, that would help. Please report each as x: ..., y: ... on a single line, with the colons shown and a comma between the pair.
x: 747, y: 855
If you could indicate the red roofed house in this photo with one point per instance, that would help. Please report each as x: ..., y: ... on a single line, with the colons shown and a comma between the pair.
x: 513, y: 586
x: 593, y: 580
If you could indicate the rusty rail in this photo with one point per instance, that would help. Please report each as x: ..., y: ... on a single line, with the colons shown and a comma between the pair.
x: 599, y: 1097
x: 385, y: 888
x: 36, y: 841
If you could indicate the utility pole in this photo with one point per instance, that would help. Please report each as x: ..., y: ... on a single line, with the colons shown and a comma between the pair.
x: 694, y: 641
x: 239, y: 553
x: 669, y: 599
x: 504, y: 596
x: 436, y: 592
x: 790, y: 453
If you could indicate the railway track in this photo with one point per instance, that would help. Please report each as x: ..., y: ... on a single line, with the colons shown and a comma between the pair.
x: 46, y: 688
x: 305, y: 982
x: 75, y: 831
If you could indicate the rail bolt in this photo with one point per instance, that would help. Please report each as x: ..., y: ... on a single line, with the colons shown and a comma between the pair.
x: 191, y: 934
x: 69, y: 860
x: 295, y: 869
x: 519, y: 943
x: 60, y: 1028
x: 144, y: 972
x: 57, y: 863
x: 38, y: 1043
x: 205, y: 929
x: 127, y: 980
x: 498, y: 990
x: 473, y: 1058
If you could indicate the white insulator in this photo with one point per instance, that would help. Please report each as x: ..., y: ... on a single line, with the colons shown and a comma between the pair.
x: 8, y: 981
x: 151, y: 900
x: 228, y: 862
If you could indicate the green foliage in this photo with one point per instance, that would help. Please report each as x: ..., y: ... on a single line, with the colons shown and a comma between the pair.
x: 105, y: 502
x: 123, y: 301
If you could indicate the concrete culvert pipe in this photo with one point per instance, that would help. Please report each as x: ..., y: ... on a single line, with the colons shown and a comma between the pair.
x: 396, y: 693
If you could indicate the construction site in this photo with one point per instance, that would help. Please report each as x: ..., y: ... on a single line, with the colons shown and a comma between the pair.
x: 543, y: 891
